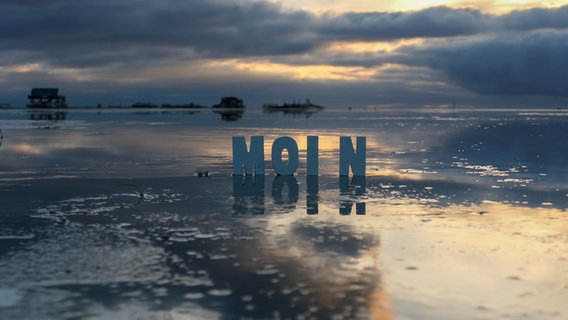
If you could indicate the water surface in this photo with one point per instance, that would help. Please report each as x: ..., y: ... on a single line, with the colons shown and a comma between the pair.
x: 462, y: 214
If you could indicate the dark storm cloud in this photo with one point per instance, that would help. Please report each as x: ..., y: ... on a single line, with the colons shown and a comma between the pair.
x: 520, y: 53
x: 534, y: 63
x: 381, y: 26
x: 513, y: 64
x: 211, y: 28
x: 437, y: 22
x: 537, y: 18
x: 84, y: 32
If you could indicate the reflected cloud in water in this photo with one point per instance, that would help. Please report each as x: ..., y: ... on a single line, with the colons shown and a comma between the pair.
x: 174, y: 252
x: 182, y: 249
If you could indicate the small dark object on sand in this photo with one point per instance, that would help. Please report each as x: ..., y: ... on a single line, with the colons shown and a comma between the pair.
x: 203, y: 174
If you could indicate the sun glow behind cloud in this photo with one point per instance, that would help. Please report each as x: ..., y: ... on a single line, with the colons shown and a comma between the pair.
x: 489, y: 6
x: 73, y: 74
x: 308, y: 72
x: 28, y: 67
x: 370, y: 47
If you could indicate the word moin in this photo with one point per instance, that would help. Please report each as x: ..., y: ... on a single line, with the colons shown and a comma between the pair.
x: 251, y: 161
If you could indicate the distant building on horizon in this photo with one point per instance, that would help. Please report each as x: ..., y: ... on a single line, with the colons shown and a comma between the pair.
x: 46, y: 98
x: 229, y: 103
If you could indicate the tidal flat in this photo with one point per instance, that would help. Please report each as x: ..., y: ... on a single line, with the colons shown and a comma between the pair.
x: 122, y: 214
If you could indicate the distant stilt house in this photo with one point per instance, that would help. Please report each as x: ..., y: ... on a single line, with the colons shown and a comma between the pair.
x: 46, y: 98
x: 229, y: 103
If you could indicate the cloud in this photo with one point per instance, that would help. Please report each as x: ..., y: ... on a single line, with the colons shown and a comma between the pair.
x: 514, y: 64
x: 518, y: 54
x: 170, y: 44
x: 534, y: 19
x: 437, y: 22
x: 510, y: 64
x: 98, y: 32
x: 381, y: 26
x: 210, y: 28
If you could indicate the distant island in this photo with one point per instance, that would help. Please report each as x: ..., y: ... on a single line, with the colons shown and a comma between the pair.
x: 230, y: 108
x: 304, y: 106
x: 295, y: 108
x: 229, y: 103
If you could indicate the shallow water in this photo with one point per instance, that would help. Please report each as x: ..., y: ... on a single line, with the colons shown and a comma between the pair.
x: 462, y: 214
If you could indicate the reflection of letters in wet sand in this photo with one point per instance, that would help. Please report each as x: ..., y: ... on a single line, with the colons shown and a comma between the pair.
x: 352, y: 189
x: 248, y: 194
x: 312, y: 198
x: 278, y: 189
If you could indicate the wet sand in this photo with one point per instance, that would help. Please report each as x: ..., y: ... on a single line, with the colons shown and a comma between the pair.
x: 460, y: 215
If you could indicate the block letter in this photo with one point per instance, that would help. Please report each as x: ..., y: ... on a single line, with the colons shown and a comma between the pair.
x: 312, y: 157
x: 243, y: 160
x: 348, y: 157
x: 291, y: 165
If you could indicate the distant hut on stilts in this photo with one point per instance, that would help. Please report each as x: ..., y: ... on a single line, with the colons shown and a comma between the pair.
x: 46, y: 98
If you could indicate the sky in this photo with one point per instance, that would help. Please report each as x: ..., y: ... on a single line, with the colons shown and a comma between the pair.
x: 338, y: 53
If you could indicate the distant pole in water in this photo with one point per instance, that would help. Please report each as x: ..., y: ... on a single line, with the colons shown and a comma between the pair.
x: 454, y: 107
